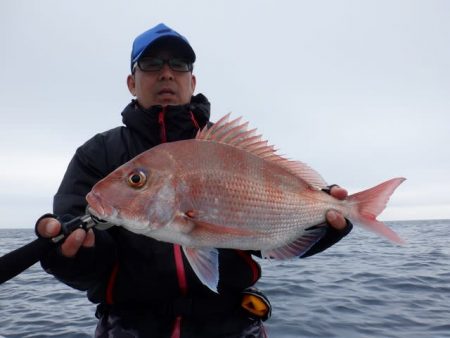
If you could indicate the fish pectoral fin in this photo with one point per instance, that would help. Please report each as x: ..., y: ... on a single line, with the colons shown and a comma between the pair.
x: 205, y: 263
x: 298, y: 247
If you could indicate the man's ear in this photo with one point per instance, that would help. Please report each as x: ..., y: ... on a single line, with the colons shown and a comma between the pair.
x: 131, y: 84
x: 193, y: 82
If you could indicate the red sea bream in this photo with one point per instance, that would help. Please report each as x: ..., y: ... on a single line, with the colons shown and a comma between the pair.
x: 228, y: 189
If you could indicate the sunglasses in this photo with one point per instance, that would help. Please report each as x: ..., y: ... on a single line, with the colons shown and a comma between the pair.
x: 153, y: 64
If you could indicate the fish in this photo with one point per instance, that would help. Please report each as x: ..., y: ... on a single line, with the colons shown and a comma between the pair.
x: 228, y: 188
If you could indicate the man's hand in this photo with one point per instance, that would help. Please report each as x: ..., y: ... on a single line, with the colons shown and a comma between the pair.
x: 49, y: 227
x: 335, y: 218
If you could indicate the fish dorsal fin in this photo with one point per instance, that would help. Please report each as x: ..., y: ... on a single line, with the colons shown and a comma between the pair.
x: 236, y: 134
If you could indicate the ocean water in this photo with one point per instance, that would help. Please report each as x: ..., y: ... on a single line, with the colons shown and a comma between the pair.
x: 361, y: 287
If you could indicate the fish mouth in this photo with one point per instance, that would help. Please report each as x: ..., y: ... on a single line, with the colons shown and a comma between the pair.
x: 100, y: 209
x: 97, y: 208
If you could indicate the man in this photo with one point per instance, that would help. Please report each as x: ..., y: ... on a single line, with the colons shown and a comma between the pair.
x: 145, y: 288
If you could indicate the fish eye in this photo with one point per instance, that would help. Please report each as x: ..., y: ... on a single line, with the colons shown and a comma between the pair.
x: 137, y: 179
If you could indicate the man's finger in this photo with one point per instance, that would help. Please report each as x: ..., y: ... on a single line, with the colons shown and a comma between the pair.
x: 336, y: 220
x: 338, y: 192
x: 73, y: 243
x: 48, y: 227
x: 89, y: 240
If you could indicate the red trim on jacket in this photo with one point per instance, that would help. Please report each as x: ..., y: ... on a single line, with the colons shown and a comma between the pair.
x: 176, y: 331
x: 194, y: 120
x: 162, y: 125
x: 256, y: 270
x: 111, y: 284
x: 181, y: 272
x: 182, y: 284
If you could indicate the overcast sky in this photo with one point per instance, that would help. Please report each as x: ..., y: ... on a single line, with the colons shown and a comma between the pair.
x: 359, y: 90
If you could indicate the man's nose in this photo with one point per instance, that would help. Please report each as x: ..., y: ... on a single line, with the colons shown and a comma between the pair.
x: 166, y: 73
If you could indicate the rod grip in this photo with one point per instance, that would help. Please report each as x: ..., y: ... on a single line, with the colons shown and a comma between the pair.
x: 13, y: 263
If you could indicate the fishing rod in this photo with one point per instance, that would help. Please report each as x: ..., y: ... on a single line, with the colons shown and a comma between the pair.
x: 17, y: 261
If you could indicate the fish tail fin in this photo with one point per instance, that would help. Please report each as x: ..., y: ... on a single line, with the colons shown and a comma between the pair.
x: 366, y: 205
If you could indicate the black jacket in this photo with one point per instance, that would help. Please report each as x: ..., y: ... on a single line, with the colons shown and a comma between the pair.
x: 124, y: 268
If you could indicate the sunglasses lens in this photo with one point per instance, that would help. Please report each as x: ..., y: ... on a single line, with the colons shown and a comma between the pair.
x: 148, y: 64
x: 179, y: 65
x: 152, y: 64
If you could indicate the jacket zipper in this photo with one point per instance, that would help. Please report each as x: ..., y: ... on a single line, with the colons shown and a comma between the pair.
x: 178, y: 257
x: 181, y: 272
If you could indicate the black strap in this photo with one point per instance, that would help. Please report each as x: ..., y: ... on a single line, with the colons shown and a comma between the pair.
x: 190, y: 307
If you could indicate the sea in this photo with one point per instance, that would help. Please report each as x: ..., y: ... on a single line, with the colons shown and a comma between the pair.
x: 363, y: 286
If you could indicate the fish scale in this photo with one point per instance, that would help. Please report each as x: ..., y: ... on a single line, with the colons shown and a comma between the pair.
x: 264, y: 208
x: 256, y: 201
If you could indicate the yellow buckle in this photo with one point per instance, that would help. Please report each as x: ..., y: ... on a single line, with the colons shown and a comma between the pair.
x: 256, y: 304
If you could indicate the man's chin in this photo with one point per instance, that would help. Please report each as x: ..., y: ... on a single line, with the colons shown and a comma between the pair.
x: 172, y: 101
x: 165, y: 100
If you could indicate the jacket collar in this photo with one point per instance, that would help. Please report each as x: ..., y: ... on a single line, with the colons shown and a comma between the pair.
x: 176, y: 120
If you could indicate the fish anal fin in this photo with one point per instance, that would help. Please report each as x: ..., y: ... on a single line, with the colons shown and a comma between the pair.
x: 205, y: 263
x: 298, y: 247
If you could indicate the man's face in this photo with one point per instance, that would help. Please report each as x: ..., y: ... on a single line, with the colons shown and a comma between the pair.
x: 163, y: 87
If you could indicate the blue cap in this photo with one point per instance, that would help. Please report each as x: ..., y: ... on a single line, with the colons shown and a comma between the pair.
x: 157, y: 34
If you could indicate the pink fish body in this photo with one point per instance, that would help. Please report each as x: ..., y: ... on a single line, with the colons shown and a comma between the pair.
x: 228, y: 189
